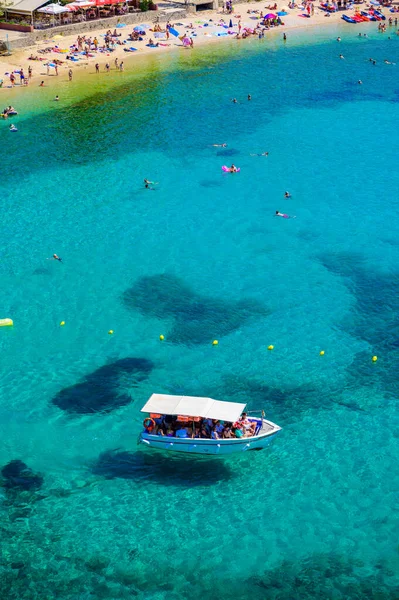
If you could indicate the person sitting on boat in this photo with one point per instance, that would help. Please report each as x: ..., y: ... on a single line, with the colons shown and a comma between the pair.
x: 227, y: 433
x: 249, y: 427
x: 237, y: 430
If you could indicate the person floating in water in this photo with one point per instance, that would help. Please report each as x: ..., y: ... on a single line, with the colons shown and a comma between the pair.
x: 342, y: 56
x: 219, y: 145
x: 338, y: 39
x: 55, y: 257
x: 360, y: 82
x: 234, y: 101
x: 13, y: 128
x: 249, y: 97
x: 285, y: 216
x: 263, y: 154
x: 287, y: 195
x: 233, y: 169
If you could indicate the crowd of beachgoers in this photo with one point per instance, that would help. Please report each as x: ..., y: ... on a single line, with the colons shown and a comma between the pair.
x: 107, y: 50
x: 197, y: 427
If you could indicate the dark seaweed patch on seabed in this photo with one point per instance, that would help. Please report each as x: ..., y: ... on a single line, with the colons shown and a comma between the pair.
x: 18, y: 476
x: 375, y: 318
x: 100, y: 391
x: 197, y: 318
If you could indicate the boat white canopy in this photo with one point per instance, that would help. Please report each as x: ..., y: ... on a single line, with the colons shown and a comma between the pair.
x: 193, y: 406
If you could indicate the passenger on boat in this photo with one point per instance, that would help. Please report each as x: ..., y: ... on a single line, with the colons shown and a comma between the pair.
x: 248, y: 426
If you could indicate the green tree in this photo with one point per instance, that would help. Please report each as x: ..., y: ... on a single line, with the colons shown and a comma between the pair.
x: 4, y: 5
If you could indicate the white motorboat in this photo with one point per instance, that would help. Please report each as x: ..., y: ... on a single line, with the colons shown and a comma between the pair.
x: 188, y: 415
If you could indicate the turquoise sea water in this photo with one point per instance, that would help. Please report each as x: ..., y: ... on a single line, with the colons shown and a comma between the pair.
x: 202, y: 258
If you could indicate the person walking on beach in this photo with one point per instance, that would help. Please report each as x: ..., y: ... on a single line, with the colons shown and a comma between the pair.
x: 116, y: 64
x: 107, y: 67
x: 12, y: 79
x: 70, y: 74
x: 56, y: 69
x: 21, y: 76
x: 121, y: 67
x: 97, y: 68
x: 30, y: 72
x: 48, y: 69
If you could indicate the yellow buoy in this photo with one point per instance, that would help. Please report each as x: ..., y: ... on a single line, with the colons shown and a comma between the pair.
x: 161, y: 337
x: 215, y: 343
x: 322, y: 352
x: 270, y: 347
x: 6, y: 322
x: 111, y: 331
x: 62, y: 323
x: 375, y: 358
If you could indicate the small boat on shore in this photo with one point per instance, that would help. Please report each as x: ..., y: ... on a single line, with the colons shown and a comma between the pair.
x: 197, y: 425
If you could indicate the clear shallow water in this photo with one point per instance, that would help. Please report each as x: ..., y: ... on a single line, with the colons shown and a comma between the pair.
x: 200, y: 258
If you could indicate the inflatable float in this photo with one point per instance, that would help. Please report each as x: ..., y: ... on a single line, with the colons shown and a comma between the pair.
x: 228, y: 169
x: 6, y: 322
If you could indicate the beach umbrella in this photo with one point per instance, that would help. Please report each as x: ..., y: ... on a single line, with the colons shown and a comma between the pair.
x: 79, y: 4
x: 270, y: 16
x: 53, y: 9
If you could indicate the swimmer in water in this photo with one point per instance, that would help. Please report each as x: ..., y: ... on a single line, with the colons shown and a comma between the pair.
x: 360, y: 82
x: 287, y: 195
x: 219, y: 145
x: 249, y: 97
x: 263, y: 154
x: 342, y: 56
x: 234, y: 101
x: 55, y: 257
x: 233, y: 169
x: 338, y: 39
x: 279, y: 214
x: 13, y: 128
x: 56, y: 99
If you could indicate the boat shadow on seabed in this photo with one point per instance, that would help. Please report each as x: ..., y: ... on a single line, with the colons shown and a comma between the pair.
x: 165, y: 469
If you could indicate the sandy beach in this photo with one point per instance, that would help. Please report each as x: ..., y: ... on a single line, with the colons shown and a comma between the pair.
x: 201, y: 35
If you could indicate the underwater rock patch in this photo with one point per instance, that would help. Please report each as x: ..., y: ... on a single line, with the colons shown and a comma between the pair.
x: 197, y: 319
x: 18, y: 476
x: 101, y: 391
